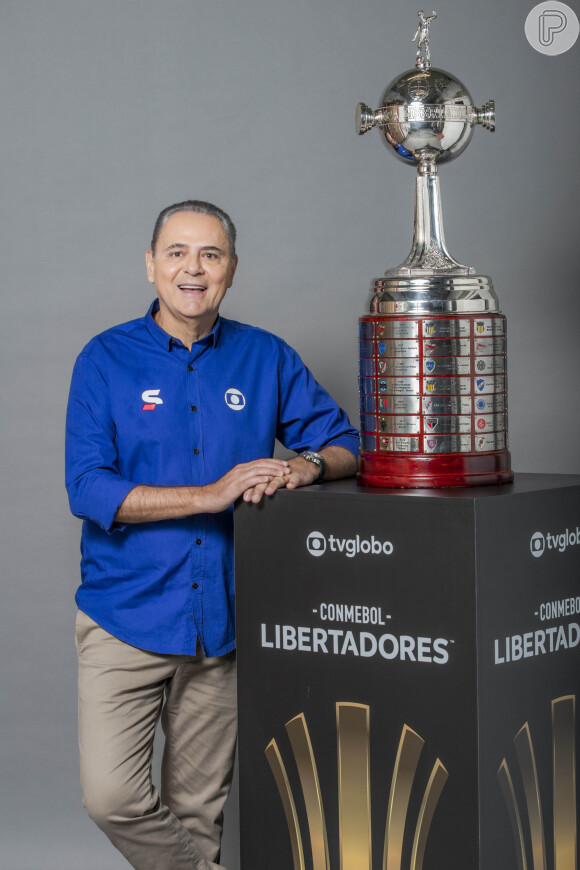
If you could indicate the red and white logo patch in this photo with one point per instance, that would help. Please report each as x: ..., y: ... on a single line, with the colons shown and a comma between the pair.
x: 151, y: 398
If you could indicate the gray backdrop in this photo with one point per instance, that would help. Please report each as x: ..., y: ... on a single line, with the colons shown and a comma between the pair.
x: 111, y: 110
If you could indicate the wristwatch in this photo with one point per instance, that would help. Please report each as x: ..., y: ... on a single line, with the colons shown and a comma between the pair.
x: 317, y: 459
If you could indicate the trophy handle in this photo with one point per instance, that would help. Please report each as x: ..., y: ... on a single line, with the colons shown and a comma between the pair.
x: 486, y: 116
x: 365, y: 118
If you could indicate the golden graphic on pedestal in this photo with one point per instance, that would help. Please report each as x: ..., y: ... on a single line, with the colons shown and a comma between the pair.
x: 354, y: 794
x: 564, y: 792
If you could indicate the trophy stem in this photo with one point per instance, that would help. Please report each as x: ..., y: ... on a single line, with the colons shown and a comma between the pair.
x: 429, y: 254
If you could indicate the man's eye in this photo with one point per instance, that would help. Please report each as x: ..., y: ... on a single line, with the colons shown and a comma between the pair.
x: 210, y: 255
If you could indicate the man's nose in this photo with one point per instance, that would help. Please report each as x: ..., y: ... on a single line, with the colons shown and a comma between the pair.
x: 194, y: 264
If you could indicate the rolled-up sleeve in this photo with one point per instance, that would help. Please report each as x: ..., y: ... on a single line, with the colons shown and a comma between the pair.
x: 309, y: 418
x: 95, y: 487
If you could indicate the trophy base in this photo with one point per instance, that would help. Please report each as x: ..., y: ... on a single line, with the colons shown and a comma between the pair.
x: 429, y: 472
x: 433, y: 396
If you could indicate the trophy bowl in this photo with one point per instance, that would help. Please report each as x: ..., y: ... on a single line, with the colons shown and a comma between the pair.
x: 426, y: 114
x: 427, y: 98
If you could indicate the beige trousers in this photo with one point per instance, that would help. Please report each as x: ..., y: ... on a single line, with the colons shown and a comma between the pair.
x: 123, y: 691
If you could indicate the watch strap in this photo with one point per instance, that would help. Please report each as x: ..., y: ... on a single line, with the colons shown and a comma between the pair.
x: 317, y: 459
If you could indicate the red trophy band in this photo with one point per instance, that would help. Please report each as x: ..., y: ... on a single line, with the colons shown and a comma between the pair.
x: 433, y: 394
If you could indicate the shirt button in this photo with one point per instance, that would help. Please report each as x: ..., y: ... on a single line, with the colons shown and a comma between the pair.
x: 196, y: 450
x: 190, y: 368
x: 193, y: 407
x: 194, y: 585
x: 198, y: 541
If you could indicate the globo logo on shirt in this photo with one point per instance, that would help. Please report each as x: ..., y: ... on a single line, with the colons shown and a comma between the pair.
x: 234, y: 399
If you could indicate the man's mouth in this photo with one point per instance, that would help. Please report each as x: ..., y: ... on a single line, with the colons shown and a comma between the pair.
x: 191, y: 288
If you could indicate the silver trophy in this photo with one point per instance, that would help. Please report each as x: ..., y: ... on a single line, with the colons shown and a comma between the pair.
x: 432, y: 350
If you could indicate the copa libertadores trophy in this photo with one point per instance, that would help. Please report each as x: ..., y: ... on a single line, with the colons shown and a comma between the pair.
x: 433, y: 384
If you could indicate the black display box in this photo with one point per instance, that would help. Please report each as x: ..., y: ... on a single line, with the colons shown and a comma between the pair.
x: 408, y: 670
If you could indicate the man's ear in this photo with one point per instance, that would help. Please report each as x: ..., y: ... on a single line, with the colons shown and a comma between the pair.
x: 233, y: 268
x: 150, y: 266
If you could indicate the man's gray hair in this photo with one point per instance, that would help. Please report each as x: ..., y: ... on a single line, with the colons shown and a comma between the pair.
x: 197, y: 206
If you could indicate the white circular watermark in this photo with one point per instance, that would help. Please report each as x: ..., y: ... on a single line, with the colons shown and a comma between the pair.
x: 552, y: 27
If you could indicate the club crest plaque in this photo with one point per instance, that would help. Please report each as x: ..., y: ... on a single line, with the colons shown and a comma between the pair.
x: 432, y: 350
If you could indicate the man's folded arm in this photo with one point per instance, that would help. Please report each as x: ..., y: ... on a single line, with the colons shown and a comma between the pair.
x: 146, y: 504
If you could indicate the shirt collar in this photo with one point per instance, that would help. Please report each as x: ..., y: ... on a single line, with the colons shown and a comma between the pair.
x: 167, y: 341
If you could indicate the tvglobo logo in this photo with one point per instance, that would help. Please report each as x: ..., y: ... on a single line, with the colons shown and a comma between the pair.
x: 540, y: 542
x: 317, y: 544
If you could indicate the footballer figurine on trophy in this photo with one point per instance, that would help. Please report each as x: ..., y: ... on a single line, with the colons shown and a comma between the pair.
x: 433, y: 385
x: 423, y: 60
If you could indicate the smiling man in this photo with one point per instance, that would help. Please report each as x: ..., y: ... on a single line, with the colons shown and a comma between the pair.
x: 192, y: 266
x: 172, y: 417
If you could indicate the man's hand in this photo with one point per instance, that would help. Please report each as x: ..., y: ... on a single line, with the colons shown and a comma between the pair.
x: 339, y: 463
x: 299, y: 472
x: 249, y: 477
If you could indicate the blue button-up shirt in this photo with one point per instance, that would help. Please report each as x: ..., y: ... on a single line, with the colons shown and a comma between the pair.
x: 143, y: 409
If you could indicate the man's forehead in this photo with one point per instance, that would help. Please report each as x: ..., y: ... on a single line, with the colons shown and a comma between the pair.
x: 184, y: 228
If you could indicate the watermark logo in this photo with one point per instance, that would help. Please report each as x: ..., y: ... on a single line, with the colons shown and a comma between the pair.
x: 552, y: 27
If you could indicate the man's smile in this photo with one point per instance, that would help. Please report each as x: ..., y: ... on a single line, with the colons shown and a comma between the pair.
x: 191, y: 288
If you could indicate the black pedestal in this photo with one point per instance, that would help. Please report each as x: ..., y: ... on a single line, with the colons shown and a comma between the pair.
x: 408, y: 668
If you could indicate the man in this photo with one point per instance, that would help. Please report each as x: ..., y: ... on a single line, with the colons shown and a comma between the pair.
x: 171, y: 419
